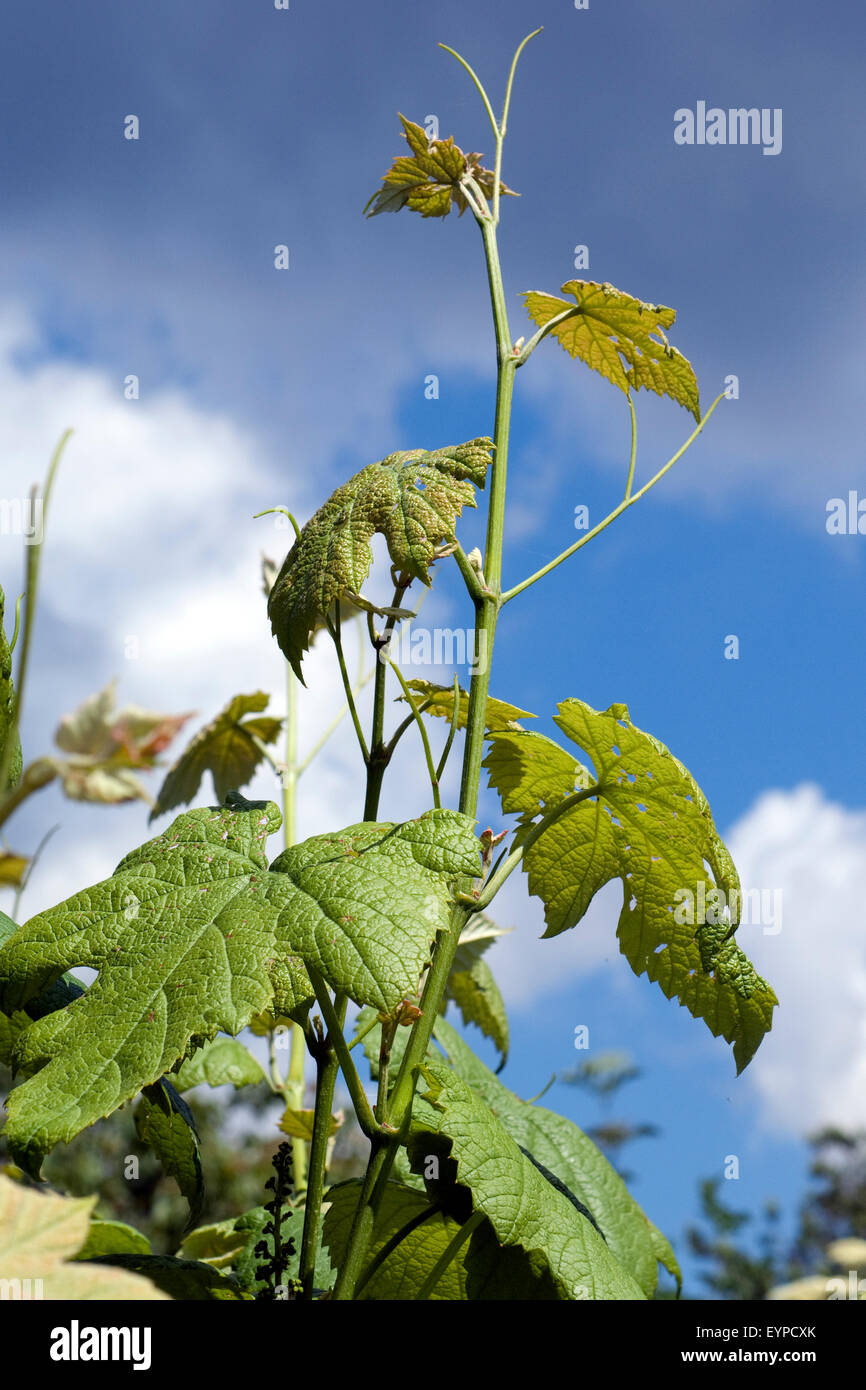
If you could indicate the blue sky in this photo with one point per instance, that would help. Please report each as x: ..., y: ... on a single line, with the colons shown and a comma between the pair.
x: 155, y: 257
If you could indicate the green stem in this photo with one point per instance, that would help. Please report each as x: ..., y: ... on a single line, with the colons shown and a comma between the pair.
x: 37, y: 775
x: 294, y: 1085
x: 452, y: 732
x: 451, y: 1250
x: 528, y: 348
x: 375, y: 1178
x: 327, y: 1066
x: 337, y: 1042
x: 434, y: 781
x: 626, y: 502
x: 274, y: 1074
x: 34, y: 558
x: 380, y: 752
x: 14, y: 638
x: 368, y: 1028
x: 335, y: 723
x: 509, y: 864
x: 470, y: 576
x: 484, y: 97
x: 28, y: 872
x: 388, y: 1031
x: 487, y: 614
x: 284, y: 511
x: 334, y: 629
x: 487, y: 609
x: 503, y: 124
x: 630, y: 479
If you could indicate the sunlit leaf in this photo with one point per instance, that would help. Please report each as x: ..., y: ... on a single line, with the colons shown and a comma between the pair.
x: 621, y: 337
x: 429, y: 180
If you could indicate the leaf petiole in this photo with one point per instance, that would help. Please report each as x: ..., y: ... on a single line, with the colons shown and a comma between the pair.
x: 334, y: 630
x: 416, y: 715
x: 626, y: 502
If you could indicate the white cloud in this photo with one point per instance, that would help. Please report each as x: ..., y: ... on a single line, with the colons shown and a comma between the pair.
x: 811, y: 1069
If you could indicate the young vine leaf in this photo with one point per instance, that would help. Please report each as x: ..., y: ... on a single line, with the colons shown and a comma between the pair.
x: 438, y: 700
x: 650, y: 826
x: 621, y: 337
x: 412, y: 498
x: 104, y: 748
x: 431, y: 178
x: 226, y: 748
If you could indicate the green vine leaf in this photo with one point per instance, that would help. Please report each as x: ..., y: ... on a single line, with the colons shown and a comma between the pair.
x: 181, y: 935
x: 365, y: 906
x: 621, y: 337
x: 184, y: 1280
x: 221, y: 1243
x: 472, y: 987
x: 7, y: 708
x: 190, y: 934
x: 650, y: 826
x: 477, y: 996
x: 62, y: 992
x: 412, y: 498
x: 402, y: 1274
x: 523, y: 1208
x: 429, y: 180
x: 164, y: 1122
x: 439, y: 701
x: 531, y: 772
x: 112, y: 1238
x: 571, y: 1156
x: 221, y: 1062
x: 226, y: 748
